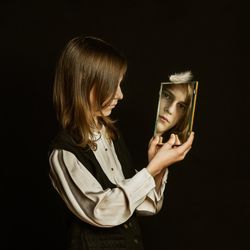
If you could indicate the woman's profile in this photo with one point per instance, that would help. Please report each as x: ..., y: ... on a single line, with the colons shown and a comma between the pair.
x: 90, y: 166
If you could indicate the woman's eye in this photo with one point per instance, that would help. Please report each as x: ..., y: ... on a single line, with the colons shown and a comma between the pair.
x: 167, y: 96
x: 182, y: 106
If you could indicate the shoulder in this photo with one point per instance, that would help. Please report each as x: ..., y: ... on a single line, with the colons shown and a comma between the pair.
x: 63, y: 140
x: 63, y: 156
x: 60, y: 159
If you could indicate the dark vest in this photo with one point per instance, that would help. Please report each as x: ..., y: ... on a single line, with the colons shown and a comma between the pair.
x: 83, y: 236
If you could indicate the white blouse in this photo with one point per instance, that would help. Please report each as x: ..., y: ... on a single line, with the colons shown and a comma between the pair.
x: 86, y: 198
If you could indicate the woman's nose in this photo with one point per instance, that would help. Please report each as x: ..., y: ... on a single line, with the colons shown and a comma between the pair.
x: 118, y: 94
x: 170, y: 109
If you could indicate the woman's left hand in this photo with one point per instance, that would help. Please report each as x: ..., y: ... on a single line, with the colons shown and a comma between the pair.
x: 155, y: 144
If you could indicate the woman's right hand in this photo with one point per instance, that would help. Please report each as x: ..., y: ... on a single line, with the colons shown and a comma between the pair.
x: 168, y: 154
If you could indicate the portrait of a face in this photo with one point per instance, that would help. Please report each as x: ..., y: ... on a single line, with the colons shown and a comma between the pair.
x: 175, y: 109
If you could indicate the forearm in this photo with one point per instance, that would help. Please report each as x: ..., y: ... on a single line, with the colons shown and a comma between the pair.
x: 85, y: 197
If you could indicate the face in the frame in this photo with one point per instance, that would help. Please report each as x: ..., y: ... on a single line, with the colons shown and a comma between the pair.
x: 172, y: 108
x: 106, y: 111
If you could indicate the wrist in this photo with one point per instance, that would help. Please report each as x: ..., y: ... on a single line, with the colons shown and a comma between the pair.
x: 153, y: 170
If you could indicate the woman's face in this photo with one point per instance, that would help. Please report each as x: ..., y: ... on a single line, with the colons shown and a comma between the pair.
x: 118, y: 96
x: 106, y: 111
x: 173, y: 106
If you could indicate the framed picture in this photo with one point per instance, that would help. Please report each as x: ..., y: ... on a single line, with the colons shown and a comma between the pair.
x: 176, y: 109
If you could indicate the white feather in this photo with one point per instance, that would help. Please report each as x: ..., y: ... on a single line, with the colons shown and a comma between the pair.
x: 181, y: 77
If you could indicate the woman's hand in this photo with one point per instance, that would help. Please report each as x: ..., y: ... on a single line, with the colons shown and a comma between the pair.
x: 153, y: 146
x: 167, y: 154
x: 156, y: 143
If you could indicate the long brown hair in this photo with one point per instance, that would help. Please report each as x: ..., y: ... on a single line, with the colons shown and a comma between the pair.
x: 182, y: 128
x: 86, y: 63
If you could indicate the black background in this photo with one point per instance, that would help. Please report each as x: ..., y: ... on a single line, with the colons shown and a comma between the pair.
x: 207, y: 197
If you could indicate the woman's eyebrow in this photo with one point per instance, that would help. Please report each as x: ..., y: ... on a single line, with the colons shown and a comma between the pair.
x: 169, y: 92
x: 174, y: 96
x: 184, y: 103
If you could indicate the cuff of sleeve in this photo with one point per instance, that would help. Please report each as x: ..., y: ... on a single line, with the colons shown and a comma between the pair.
x: 163, y: 184
x: 165, y: 177
x: 138, y: 187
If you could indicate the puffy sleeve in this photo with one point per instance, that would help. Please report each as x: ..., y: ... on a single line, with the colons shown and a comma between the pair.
x: 86, y: 198
x: 153, y: 202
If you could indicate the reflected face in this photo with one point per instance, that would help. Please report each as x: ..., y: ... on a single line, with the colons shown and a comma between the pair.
x: 173, y: 107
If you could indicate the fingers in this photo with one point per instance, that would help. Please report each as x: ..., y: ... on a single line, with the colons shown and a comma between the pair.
x: 160, y: 141
x: 181, y: 151
x: 171, y: 142
x: 153, y: 147
x: 177, y: 141
x: 185, y: 152
x: 153, y: 140
x: 190, y: 139
x: 169, y: 154
x: 186, y: 146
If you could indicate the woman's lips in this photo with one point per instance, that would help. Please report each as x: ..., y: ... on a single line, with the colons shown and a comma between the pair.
x: 112, y: 105
x: 163, y: 118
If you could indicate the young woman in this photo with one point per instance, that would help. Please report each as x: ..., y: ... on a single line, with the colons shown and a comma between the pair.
x: 90, y: 166
x: 174, y: 110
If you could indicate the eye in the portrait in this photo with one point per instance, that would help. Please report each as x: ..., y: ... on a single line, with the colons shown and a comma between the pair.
x: 167, y: 95
x: 182, y: 107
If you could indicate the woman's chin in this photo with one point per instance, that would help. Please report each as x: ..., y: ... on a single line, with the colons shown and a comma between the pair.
x: 107, y: 112
x: 161, y: 129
